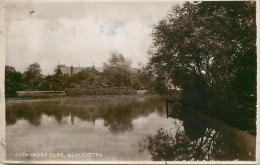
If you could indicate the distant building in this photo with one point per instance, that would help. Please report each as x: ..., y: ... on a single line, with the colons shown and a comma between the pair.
x: 64, y: 70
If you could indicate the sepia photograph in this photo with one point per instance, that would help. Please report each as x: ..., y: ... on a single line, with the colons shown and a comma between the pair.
x: 129, y: 81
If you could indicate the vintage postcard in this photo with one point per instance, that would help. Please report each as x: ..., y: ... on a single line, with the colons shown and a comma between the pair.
x: 108, y: 82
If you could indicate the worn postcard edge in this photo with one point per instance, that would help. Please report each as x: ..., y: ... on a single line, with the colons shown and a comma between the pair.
x: 2, y: 74
x: 2, y: 97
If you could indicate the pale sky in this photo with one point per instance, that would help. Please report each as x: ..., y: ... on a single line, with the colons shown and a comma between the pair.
x: 79, y: 33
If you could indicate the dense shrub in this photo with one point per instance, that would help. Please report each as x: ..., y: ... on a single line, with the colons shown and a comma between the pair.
x: 100, y: 91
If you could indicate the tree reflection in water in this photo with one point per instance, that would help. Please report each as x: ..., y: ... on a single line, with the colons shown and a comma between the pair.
x: 197, y: 139
x: 118, y: 118
x: 117, y: 114
x: 165, y: 145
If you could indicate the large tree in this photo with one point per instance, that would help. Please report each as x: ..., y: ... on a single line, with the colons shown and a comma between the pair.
x: 13, y: 80
x: 209, y: 50
x: 118, y: 70
x: 33, y: 70
x: 33, y: 76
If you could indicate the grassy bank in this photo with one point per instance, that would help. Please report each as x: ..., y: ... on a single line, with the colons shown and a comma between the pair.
x: 40, y: 94
x: 85, y: 93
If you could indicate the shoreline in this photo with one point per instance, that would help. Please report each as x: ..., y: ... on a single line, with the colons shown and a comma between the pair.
x: 81, y: 96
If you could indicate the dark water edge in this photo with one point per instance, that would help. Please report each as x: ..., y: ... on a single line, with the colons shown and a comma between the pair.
x: 244, y: 121
x: 203, y: 138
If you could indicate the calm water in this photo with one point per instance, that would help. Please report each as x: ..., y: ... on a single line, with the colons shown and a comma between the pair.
x: 117, y: 128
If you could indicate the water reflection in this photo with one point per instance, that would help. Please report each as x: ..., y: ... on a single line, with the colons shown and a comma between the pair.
x: 117, y: 114
x: 199, y: 138
x: 119, y: 118
x: 115, y: 126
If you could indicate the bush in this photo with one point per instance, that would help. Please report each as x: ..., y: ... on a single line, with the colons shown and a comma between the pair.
x: 100, y: 91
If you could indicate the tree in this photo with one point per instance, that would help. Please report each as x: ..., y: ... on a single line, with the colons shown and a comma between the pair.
x: 118, y: 70
x: 33, y: 70
x: 57, y: 71
x: 13, y: 80
x: 33, y: 76
x: 87, y: 77
x: 208, y: 48
x: 143, y: 78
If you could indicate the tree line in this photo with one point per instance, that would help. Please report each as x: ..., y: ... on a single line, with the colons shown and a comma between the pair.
x: 117, y: 73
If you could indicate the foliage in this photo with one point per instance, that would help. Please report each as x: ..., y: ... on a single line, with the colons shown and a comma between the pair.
x: 118, y: 70
x: 32, y: 75
x: 13, y: 81
x: 88, y: 77
x: 57, y: 69
x: 100, y: 91
x: 54, y: 82
x: 143, y: 78
x: 33, y: 70
x: 208, y: 49
x: 118, y: 73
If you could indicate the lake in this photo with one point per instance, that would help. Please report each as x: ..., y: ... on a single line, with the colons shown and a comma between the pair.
x: 121, y: 129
